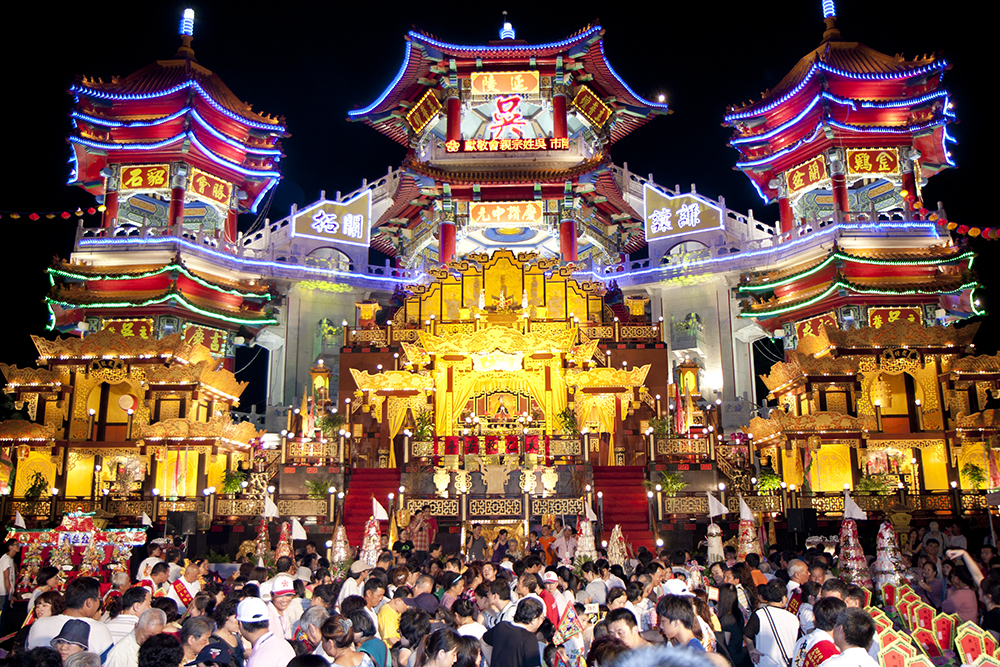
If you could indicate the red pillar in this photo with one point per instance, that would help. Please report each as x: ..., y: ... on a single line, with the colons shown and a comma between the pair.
x: 176, y: 214
x: 840, y: 194
x: 909, y: 182
x: 231, y: 221
x: 454, y: 119
x: 446, y: 241
x: 567, y: 240
x: 110, y: 208
x: 787, y: 216
x: 559, y: 116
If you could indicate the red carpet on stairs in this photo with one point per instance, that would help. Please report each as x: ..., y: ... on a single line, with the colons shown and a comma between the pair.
x: 365, y: 483
x: 625, y: 503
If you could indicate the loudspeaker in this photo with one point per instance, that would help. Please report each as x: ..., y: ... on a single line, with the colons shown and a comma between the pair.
x: 802, y: 520
x: 185, y: 523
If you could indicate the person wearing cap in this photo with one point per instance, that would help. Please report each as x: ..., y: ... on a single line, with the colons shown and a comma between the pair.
x: 215, y: 654
x: 282, y: 594
x: 72, y: 638
x: 269, y: 649
x: 184, y: 589
x: 83, y: 601
x: 354, y: 583
x: 555, y: 602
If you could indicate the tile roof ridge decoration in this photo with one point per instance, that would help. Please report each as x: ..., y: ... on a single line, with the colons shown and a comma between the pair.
x: 516, y: 176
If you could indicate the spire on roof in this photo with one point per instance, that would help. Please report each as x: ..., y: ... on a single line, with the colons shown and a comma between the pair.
x: 186, y: 31
x: 508, y: 30
x: 830, y: 19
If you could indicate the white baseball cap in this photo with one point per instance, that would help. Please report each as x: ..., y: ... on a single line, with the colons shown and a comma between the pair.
x: 252, y: 610
x: 676, y: 587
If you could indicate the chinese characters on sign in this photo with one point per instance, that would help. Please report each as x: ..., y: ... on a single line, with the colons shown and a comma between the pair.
x: 507, y: 118
x: 878, y: 317
x: 501, y: 145
x: 210, y: 188
x: 214, y: 339
x: 596, y: 111
x: 673, y: 216
x: 145, y: 177
x: 131, y: 328
x: 806, y: 174
x: 811, y: 326
x: 504, y: 83
x: 505, y: 213
x: 883, y: 161
x: 348, y: 222
x: 424, y: 112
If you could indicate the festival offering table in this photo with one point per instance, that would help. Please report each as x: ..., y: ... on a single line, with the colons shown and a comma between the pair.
x: 76, y: 548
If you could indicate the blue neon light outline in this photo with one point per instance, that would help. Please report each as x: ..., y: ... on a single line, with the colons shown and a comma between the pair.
x: 445, y: 46
x: 328, y: 239
x: 829, y: 9
x: 885, y: 129
x: 385, y: 93
x: 223, y: 162
x: 785, y: 151
x: 778, y: 130
x: 229, y: 140
x: 242, y: 261
x: 607, y: 63
x: 75, y: 169
x: 103, y: 95
x: 270, y: 183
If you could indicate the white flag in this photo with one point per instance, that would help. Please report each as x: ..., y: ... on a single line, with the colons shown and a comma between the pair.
x: 298, y: 532
x: 260, y: 563
x: 591, y: 515
x: 851, y: 508
x: 746, y: 514
x: 715, y: 508
x: 146, y: 521
x: 18, y: 520
x: 378, y: 511
x: 270, y: 509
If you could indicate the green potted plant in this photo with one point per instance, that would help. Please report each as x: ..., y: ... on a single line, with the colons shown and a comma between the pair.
x: 331, y: 423
x: 37, y: 487
x: 875, y: 484
x: 318, y: 489
x: 232, y: 483
x: 423, y: 430
x: 660, y: 425
x: 973, y: 473
x: 566, y: 421
x: 768, y: 481
x: 670, y: 483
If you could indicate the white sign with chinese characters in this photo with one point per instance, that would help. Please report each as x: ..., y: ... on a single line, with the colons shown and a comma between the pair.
x: 341, y: 222
x: 668, y: 216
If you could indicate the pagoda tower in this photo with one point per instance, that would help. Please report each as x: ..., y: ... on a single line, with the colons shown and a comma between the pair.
x: 508, y: 147
x: 175, y: 157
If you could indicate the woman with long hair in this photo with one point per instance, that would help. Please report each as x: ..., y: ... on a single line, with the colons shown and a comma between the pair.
x: 338, y: 643
x: 744, y: 580
x: 731, y: 620
x: 962, y: 598
x: 440, y: 649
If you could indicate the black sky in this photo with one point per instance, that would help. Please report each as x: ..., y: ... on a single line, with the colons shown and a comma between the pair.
x: 312, y: 62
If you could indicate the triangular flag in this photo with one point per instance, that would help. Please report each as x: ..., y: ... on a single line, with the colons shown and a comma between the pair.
x: 298, y: 532
x: 378, y: 511
x: 260, y: 562
x: 591, y: 515
x: 270, y: 509
x: 715, y: 508
x: 19, y: 520
x: 746, y: 514
x: 851, y: 508
x: 393, y: 530
x: 146, y: 521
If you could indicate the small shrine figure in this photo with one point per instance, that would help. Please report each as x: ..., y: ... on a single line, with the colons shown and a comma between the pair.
x: 370, y: 544
x: 617, y: 550
x: 341, y: 551
x: 263, y: 542
x: 284, y: 547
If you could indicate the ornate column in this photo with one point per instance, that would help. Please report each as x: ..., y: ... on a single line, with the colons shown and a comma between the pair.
x: 231, y: 222
x: 567, y: 239
x: 446, y: 236
x: 838, y: 176
x: 178, y: 185
x: 110, y: 203
x: 787, y: 216
x: 454, y: 115
x: 559, y: 94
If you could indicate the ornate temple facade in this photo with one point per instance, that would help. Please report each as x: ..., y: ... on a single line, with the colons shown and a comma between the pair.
x: 544, y: 331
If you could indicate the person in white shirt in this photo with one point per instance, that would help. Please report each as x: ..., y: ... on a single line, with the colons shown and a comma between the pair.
x: 596, y: 590
x: 771, y: 631
x: 8, y: 573
x: 83, y: 600
x: 184, y: 589
x: 798, y: 574
x: 956, y: 540
x: 853, y: 634
x: 282, y: 593
x: 134, y: 601
x: 818, y: 646
x: 126, y: 652
x: 354, y: 583
x: 374, y: 593
x: 146, y: 566
x: 172, y: 558
x: 269, y: 650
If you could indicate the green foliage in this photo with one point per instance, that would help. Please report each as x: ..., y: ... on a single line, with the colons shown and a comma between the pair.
x: 232, y: 484
x: 424, y: 429
x: 768, y: 481
x: 38, y: 486
x: 331, y: 423
x: 213, y: 557
x: 877, y: 484
x: 319, y: 488
x: 670, y: 483
x: 974, y: 474
x: 660, y: 425
x: 566, y: 421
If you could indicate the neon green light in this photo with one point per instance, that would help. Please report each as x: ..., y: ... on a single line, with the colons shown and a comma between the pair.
x: 149, y: 274
x: 859, y: 290
x: 972, y: 301
x: 857, y: 260
x: 169, y: 297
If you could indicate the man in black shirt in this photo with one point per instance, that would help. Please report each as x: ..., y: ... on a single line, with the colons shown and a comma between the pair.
x: 518, y: 641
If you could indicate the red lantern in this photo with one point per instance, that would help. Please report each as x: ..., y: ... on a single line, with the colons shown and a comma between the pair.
x: 963, y: 229
x: 23, y: 452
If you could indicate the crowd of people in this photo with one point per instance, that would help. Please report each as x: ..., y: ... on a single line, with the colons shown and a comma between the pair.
x: 495, y: 604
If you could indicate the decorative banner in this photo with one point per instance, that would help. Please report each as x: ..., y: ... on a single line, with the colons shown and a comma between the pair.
x: 506, y: 145
x: 505, y: 213
x: 806, y: 174
x: 343, y: 222
x: 873, y: 161
x: 512, y: 442
x: 209, y: 188
x: 667, y: 216
x: 214, y: 339
x: 811, y: 326
x: 144, y: 177
x: 424, y: 112
x: 879, y: 316
x: 591, y: 106
x: 141, y: 328
x: 507, y: 117
x: 471, y: 444
x: 504, y: 83
x: 492, y: 445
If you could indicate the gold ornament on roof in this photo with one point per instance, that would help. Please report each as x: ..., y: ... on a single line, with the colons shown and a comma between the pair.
x: 608, y: 377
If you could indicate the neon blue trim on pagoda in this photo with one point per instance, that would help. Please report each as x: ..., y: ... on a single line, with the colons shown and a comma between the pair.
x: 106, y: 146
x: 229, y: 164
x: 750, y: 113
x: 187, y: 22
x: 883, y: 76
x: 829, y: 9
x: 760, y: 192
x: 243, y: 262
x: 885, y: 129
x: 385, y: 93
x: 102, y: 95
x: 229, y: 140
x: 445, y: 46
x: 778, y: 130
x: 658, y: 105
x: 75, y: 169
x: 271, y: 182
x: 774, y: 156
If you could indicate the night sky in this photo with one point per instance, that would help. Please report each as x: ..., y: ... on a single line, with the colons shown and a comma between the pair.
x: 312, y: 62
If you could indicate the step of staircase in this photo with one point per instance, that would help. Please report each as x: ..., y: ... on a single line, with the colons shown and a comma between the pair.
x: 625, y: 503
x: 365, y: 483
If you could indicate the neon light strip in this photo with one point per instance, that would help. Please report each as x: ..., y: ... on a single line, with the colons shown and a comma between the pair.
x: 855, y: 260
x: 271, y: 182
x: 229, y: 164
x: 785, y: 151
x: 232, y: 142
x: 103, y: 95
x: 242, y: 262
x: 156, y: 272
x: 883, y: 76
x: 106, y: 146
x: 750, y: 113
x: 445, y: 46
x: 778, y: 130
x: 169, y: 297
x: 658, y: 105
x: 885, y: 129
x: 829, y: 10
x: 859, y: 290
x: 972, y: 302
x: 385, y: 93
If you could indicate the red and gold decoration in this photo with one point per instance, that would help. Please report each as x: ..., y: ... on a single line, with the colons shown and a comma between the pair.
x: 505, y: 83
x: 423, y: 111
x: 141, y: 328
x: 853, y: 565
x: 591, y: 106
x: 807, y: 174
x: 878, y: 317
